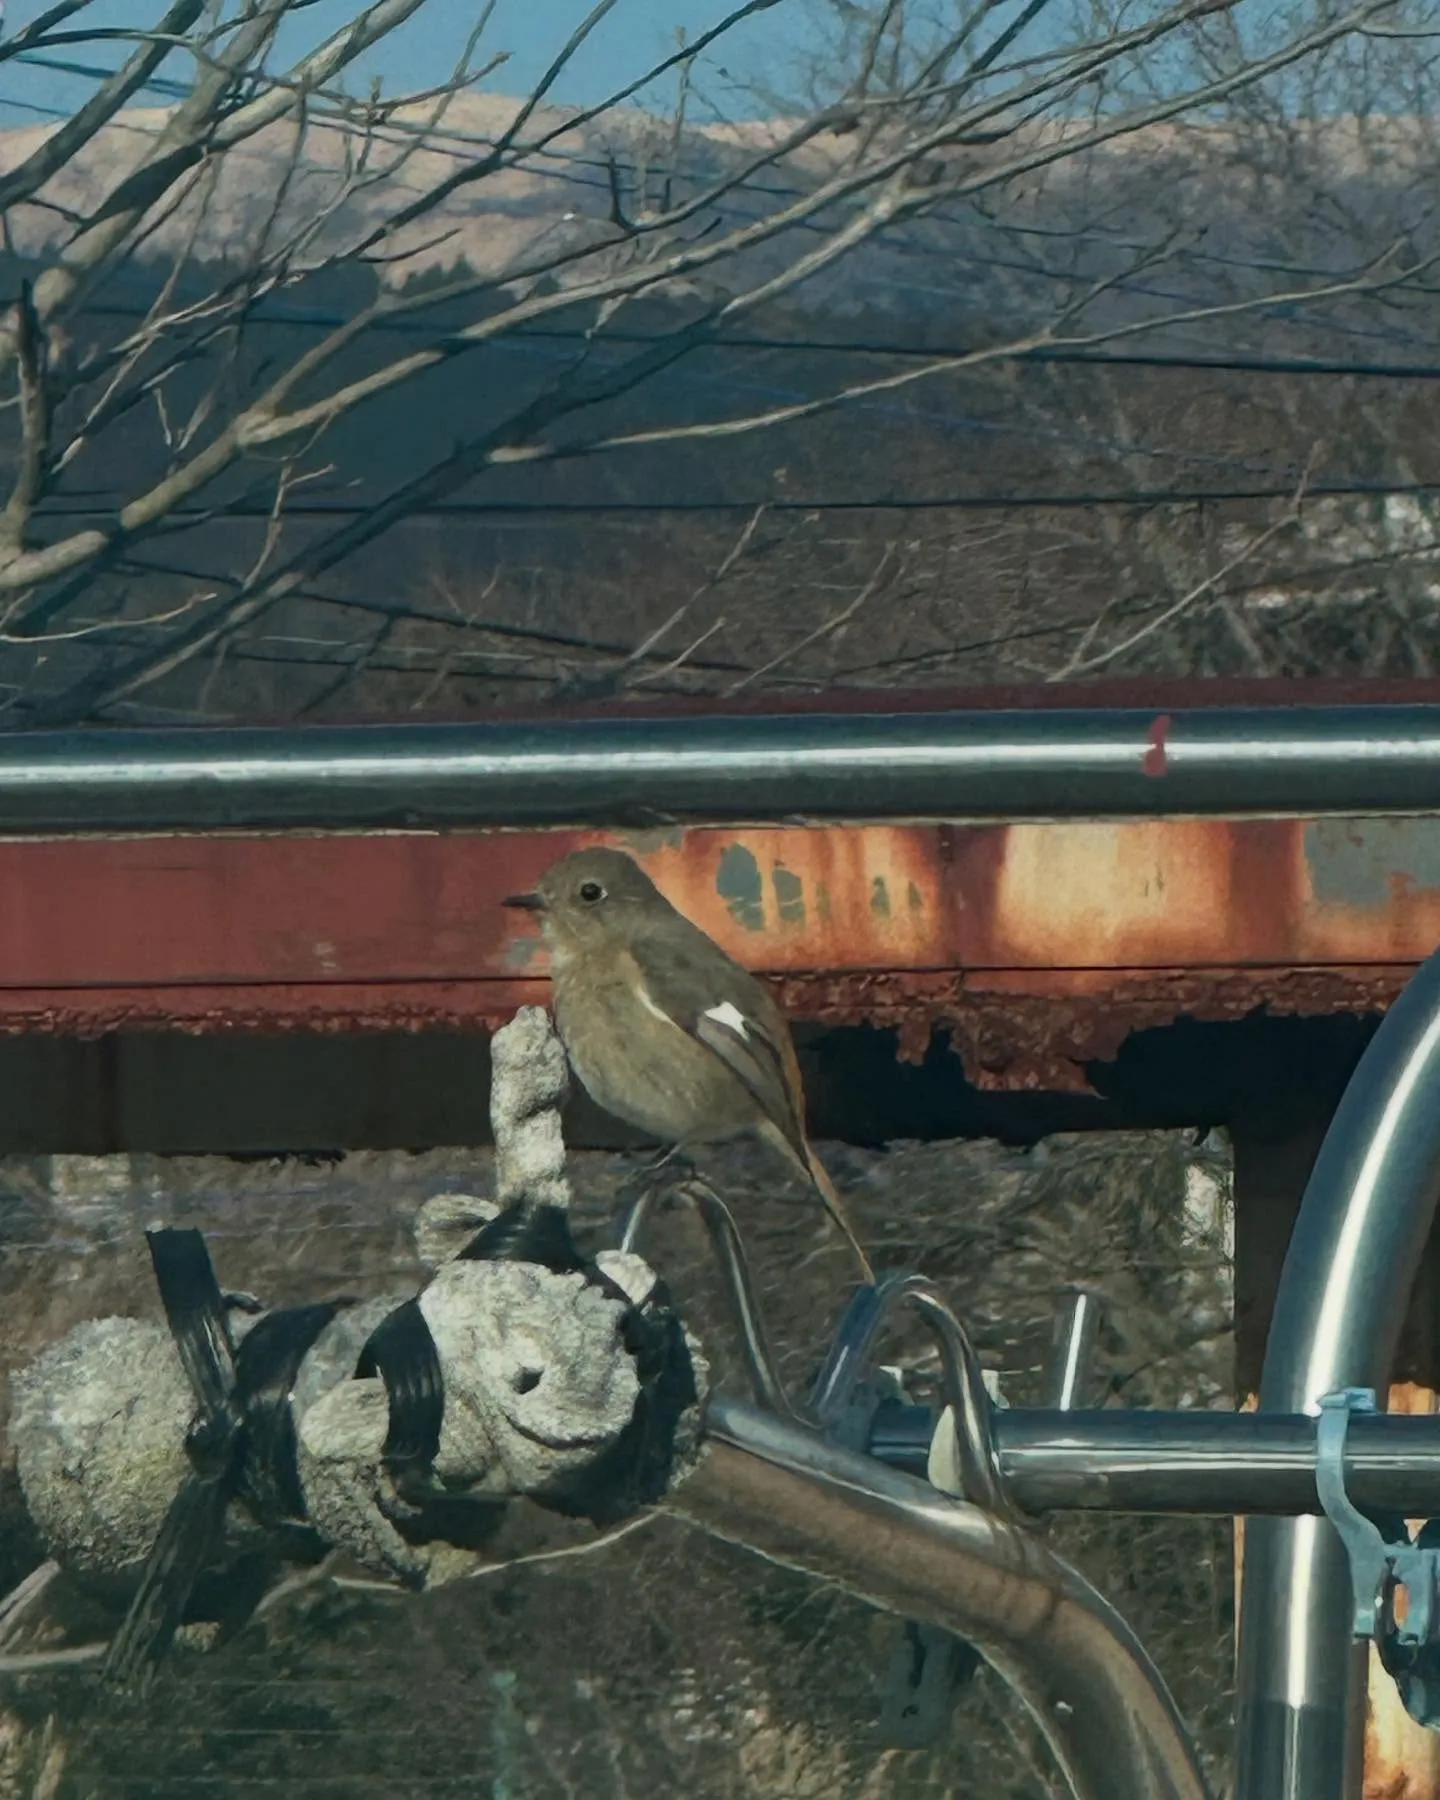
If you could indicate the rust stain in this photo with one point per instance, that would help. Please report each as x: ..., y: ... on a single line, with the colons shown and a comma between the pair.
x: 1038, y: 1030
x: 1123, y: 895
x: 1371, y: 886
x: 1135, y: 894
x: 796, y: 898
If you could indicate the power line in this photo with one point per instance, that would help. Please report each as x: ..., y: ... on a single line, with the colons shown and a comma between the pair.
x: 467, y: 509
x: 770, y: 393
x: 322, y: 320
x: 157, y: 84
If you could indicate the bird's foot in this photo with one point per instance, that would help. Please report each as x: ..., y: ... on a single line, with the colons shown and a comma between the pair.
x: 654, y: 1184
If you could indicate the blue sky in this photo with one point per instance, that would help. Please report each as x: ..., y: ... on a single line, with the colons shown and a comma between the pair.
x: 637, y: 34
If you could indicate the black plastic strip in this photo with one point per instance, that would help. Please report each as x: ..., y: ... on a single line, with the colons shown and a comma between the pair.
x: 402, y: 1353
x: 195, y: 1309
x: 200, y: 1325
x: 266, y: 1365
x: 177, y: 1556
x: 529, y: 1234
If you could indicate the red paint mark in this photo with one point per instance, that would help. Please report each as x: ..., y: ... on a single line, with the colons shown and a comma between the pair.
x: 1155, y: 763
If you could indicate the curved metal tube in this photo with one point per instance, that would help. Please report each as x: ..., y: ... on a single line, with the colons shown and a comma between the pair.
x: 963, y: 1383
x: 849, y: 1356
x: 1357, y: 1242
x: 756, y: 1350
x: 1104, y: 1711
x: 703, y: 767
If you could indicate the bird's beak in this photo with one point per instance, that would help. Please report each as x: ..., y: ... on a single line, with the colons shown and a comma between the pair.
x: 524, y: 902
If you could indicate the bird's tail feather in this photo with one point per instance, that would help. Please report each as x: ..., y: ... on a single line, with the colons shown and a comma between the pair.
x: 825, y: 1187
x: 798, y: 1152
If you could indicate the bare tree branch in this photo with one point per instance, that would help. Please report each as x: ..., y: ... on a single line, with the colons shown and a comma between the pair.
x: 57, y: 149
x: 826, y: 629
x: 928, y: 131
x: 29, y: 483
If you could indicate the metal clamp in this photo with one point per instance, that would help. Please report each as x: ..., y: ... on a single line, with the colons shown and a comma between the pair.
x: 1383, y: 1569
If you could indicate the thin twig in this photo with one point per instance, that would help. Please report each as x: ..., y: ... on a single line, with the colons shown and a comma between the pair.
x: 834, y: 623
x: 565, y: 1551
x: 732, y: 556
x: 28, y: 1663
x: 1082, y: 663
x: 23, y: 1596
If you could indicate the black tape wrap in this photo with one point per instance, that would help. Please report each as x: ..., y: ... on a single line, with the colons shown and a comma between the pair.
x: 401, y: 1350
x: 241, y: 1444
x: 635, y: 1470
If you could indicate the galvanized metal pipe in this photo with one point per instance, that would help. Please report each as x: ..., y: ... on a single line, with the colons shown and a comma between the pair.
x: 1362, y: 1226
x: 1077, y: 1328
x: 1195, y: 1463
x: 781, y: 1490
x: 637, y: 770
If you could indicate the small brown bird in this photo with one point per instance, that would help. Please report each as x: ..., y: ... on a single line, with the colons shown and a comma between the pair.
x: 664, y: 1029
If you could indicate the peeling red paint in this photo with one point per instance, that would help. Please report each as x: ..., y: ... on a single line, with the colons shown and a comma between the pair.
x: 268, y: 1008
x: 1011, y: 1033
x: 1156, y: 763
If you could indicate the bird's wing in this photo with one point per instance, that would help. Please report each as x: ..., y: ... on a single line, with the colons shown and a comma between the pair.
x: 749, y: 1034
x: 749, y: 1037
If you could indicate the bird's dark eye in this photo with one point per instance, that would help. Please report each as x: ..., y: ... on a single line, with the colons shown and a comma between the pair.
x: 591, y: 891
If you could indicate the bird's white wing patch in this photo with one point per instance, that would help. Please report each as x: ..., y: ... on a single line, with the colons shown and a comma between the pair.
x: 729, y: 1015
x: 650, y: 1006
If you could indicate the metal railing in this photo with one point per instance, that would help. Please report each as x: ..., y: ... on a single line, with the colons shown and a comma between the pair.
x: 707, y: 767
x: 1092, y: 1690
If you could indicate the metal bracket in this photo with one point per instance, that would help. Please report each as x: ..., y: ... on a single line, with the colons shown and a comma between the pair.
x: 1406, y: 1632
x: 929, y: 1668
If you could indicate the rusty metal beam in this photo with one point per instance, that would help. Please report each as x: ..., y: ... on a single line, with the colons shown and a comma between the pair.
x: 910, y: 928
x: 1037, y: 946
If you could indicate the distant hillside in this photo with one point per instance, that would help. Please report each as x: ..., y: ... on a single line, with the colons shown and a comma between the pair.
x: 1241, y: 202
